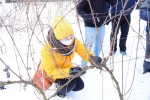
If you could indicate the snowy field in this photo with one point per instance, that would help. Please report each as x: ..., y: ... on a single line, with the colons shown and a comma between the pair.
x: 23, y: 30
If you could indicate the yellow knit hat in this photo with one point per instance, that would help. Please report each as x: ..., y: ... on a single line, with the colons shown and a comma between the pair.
x: 61, y: 28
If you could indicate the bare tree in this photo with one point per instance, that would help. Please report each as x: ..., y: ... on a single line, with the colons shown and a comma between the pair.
x: 30, y: 20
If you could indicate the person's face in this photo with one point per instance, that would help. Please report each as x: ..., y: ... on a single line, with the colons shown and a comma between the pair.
x: 67, y: 40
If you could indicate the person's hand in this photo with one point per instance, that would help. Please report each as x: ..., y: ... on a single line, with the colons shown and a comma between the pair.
x: 95, y: 60
x: 75, y: 70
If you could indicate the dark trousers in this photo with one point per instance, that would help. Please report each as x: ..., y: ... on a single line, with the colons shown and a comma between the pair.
x: 75, y: 85
x: 146, y: 64
x: 124, y: 28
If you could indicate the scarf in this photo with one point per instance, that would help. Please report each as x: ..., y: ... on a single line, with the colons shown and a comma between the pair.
x: 58, y: 46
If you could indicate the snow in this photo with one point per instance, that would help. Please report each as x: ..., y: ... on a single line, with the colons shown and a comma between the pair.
x: 22, y: 36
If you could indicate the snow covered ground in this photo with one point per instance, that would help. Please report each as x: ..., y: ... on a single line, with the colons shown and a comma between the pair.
x: 22, y: 35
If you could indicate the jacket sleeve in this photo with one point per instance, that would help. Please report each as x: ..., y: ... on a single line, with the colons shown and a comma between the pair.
x: 49, y: 65
x: 82, y: 51
x: 81, y: 9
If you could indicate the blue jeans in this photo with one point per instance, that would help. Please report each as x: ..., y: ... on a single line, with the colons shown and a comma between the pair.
x: 145, y: 15
x: 94, y: 40
x: 146, y: 65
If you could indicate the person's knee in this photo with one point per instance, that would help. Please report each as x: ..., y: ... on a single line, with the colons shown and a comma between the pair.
x: 79, y: 87
x: 79, y: 84
x: 82, y: 87
x: 69, y: 87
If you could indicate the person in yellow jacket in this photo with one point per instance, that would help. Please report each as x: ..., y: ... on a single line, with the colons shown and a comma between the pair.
x: 58, y: 53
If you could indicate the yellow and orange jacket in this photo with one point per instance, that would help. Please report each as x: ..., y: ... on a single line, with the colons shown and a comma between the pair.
x: 56, y: 65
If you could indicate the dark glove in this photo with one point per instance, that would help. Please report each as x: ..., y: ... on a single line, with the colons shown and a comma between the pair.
x: 75, y: 70
x: 95, y: 60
